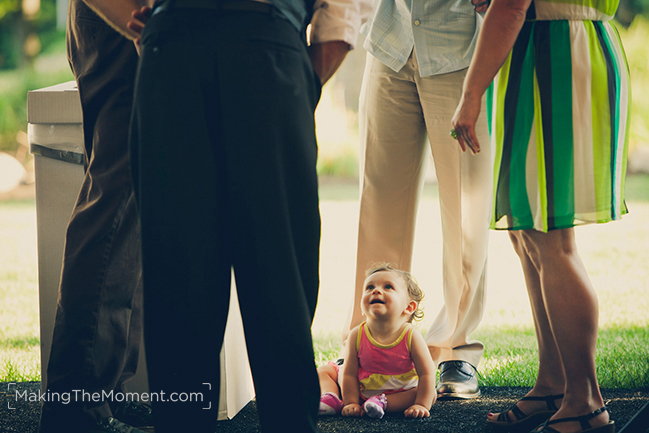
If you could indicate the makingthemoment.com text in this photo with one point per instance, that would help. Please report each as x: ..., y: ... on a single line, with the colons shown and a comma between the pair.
x: 78, y: 395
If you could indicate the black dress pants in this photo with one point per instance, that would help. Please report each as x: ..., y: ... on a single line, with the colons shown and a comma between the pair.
x: 224, y: 156
x: 98, y: 326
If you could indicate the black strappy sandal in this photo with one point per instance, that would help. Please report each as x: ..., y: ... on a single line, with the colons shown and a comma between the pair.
x: 523, y: 421
x: 583, y: 421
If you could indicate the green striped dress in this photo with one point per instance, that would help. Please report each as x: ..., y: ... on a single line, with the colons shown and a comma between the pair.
x: 559, y: 118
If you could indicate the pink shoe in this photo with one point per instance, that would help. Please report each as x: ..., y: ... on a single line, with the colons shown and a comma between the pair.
x: 330, y: 404
x: 375, y: 406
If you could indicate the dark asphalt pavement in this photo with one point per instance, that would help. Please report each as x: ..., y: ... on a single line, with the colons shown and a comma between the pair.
x: 451, y: 416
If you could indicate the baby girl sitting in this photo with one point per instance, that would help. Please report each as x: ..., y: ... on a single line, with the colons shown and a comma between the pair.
x: 387, y: 366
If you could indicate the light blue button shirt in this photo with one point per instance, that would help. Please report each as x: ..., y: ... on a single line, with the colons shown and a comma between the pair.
x: 443, y: 34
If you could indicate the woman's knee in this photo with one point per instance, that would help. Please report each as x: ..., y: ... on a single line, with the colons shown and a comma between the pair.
x: 517, y: 243
x: 554, y: 244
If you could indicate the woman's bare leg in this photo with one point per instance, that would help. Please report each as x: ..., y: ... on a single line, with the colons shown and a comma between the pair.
x: 572, y: 314
x: 550, y: 380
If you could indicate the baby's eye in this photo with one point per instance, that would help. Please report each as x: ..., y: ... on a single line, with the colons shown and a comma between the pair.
x: 369, y: 287
x: 389, y: 286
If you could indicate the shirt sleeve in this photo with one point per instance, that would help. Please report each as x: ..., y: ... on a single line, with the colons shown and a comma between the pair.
x: 338, y: 20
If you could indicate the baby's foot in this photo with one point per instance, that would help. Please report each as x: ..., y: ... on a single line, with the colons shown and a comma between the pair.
x: 375, y: 406
x: 330, y: 404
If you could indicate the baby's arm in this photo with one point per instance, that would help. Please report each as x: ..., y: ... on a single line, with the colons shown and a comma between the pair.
x: 426, y: 394
x: 350, y: 386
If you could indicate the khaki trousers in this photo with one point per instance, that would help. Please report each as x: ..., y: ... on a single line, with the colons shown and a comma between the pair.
x: 397, y: 111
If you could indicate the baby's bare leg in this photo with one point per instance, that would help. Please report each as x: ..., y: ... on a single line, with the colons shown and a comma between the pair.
x: 400, y: 401
x: 328, y: 377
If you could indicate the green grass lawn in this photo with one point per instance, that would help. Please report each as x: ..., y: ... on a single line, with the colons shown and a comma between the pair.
x: 614, y: 254
x: 19, y: 327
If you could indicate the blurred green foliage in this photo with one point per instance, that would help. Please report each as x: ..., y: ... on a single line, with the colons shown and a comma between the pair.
x: 635, y: 39
x: 27, y: 32
x: 14, y: 86
x: 26, y: 29
x: 629, y: 9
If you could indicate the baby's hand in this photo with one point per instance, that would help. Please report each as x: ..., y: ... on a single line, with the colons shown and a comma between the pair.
x: 352, y: 409
x: 416, y: 411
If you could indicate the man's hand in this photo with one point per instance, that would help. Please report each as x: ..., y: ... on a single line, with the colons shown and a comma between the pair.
x: 326, y: 57
x: 139, y: 19
x: 118, y: 13
x: 481, y: 5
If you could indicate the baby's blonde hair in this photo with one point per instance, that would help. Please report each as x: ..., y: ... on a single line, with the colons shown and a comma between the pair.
x: 415, y: 292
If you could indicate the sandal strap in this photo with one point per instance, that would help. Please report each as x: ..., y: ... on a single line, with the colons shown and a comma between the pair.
x: 548, y: 399
x: 519, y: 414
x: 504, y: 416
x: 583, y: 419
x: 544, y: 429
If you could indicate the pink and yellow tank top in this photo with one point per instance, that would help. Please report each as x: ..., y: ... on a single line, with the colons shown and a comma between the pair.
x: 385, y: 368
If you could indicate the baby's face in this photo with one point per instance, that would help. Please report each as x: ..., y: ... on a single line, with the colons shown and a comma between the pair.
x: 385, y: 296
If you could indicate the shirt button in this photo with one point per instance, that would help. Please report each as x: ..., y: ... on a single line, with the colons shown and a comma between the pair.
x: 417, y: 22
